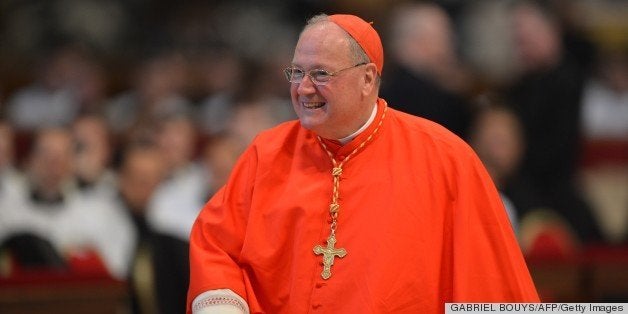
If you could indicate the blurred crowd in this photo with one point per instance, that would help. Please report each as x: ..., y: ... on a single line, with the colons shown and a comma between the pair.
x: 119, y: 119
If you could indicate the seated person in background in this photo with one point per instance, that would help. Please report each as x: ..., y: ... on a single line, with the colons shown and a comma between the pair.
x: 427, y: 79
x: 605, y: 100
x: 179, y: 197
x: 93, y: 155
x: 496, y: 138
x: 604, y: 167
x: 546, y: 97
x: 70, y: 81
x: 172, y: 209
x: 93, y: 236
x: 219, y: 155
x: 141, y: 171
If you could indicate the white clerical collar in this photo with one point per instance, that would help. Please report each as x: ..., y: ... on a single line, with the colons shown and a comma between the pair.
x: 348, y: 139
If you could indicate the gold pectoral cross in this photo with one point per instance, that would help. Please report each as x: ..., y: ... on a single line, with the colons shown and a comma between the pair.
x: 329, y: 253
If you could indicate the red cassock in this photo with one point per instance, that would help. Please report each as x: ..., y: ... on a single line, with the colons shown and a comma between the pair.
x: 420, y: 220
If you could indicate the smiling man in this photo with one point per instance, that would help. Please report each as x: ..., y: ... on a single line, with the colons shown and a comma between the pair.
x: 355, y: 207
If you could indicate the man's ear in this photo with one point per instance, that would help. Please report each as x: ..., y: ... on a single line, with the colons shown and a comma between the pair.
x: 370, y: 78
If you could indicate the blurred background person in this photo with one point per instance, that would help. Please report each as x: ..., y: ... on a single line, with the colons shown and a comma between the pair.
x: 546, y: 97
x: 141, y: 170
x: 218, y: 156
x: 426, y: 77
x: 97, y: 192
x: 93, y: 155
x: 605, y: 103
x: 91, y: 236
x: 485, y: 43
x: 175, y: 203
x: 222, y: 72
x: 604, y: 166
x: 30, y: 208
x: 50, y: 182
x: 497, y: 139
x: 157, y: 91
x: 70, y: 82
x: 173, y: 208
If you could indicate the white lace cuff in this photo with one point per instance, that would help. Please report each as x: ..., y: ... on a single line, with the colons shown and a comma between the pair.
x: 220, y: 301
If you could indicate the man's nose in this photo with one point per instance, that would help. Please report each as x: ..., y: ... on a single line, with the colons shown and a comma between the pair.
x: 306, y: 86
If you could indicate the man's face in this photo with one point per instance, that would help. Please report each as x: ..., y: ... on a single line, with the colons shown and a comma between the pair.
x: 51, y: 160
x: 536, y: 39
x: 337, y: 109
x: 91, y: 148
x: 141, y: 173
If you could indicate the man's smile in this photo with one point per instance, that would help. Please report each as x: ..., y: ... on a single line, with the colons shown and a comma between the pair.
x: 313, y: 105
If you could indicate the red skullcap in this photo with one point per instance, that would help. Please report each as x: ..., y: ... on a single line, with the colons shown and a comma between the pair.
x: 365, y: 35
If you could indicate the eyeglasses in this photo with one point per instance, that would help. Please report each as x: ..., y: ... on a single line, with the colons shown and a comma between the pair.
x: 318, y: 76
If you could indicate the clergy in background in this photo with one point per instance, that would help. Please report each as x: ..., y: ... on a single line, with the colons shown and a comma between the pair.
x: 355, y: 207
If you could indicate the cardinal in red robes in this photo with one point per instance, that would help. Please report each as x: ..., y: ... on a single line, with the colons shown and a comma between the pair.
x: 355, y: 207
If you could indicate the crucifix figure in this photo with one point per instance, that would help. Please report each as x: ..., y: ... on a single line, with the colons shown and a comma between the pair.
x: 329, y: 253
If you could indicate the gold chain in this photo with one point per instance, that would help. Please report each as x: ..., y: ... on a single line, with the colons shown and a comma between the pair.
x: 336, y: 171
x: 330, y: 252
